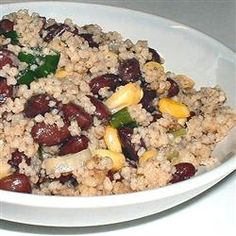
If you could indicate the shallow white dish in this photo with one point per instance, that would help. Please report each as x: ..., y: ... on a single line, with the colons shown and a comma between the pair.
x: 186, y: 51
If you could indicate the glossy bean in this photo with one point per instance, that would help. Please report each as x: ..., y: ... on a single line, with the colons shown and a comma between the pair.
x: 111, y: 81
x: 125, y: 134
x: 49, y: 135
x: 73, y: 145
x: 38, y: 104
x: 16, y: 183
x: 72, y: 111
x: 174, y: 88
x: 55, y: 30
x: 147, y: 100
x: 102, y: 112
x: 129, y: 70
x: 183, y: 171
x: 89, y: 39
x: 155, y: 56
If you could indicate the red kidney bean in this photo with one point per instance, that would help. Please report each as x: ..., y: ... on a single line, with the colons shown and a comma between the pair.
x: 128, y: 149
x: 38, y: 104
x: 4, y: 58
x: 183, y: 171
x: 129, y: 70
x: 16, y: 183
x: 89, y: 39
x: 16, y: 158
x: 174, y: 88
x: 6, y: 91
x: 49, y: 135
x: 72, y: 111
x: 8, y: 57
x: 73, y: 145
x: 55, y: 30
x: 102, y: 112
x: 147, y: 100
x: 107, y: 80
x: 155, y: 56
x: 68, y: 179
x: 6, y: 26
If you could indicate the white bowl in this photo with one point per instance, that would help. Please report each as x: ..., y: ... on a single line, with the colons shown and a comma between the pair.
x: 186, y: 51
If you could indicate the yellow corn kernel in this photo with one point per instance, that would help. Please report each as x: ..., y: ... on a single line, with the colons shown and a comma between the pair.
x: 152, y: 65
x: 117, y: 158
x: 5, y: 169
x: 147, y: 155
x: 176, y: 109
x: 112, y: 140
x: 127, y: 95
x: 60, y: 74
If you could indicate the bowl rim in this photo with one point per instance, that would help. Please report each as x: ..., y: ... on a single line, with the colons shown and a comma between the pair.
x: 62, y: 202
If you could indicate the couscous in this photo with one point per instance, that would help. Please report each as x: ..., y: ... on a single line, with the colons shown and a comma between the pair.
x: 84, y: 112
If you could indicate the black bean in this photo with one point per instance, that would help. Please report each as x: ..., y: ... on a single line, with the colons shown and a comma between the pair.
x: 49, y: 135
x: 125, y: 134
x: 6, y: 91
x: 155, y: 56
x: 89, y: 39
x: 102, y: 111
x: 111, y: 81
x: 73, y: 145
x: 38, y: 104
x: 174, y: 88
x: 183, y: 171
x: 147, y: 100
x: 72, y: 111
x: 16, y: 183
x: 129, y: 70
x: 55, y: 30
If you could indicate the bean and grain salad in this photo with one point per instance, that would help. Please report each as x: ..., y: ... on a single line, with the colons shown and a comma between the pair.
x: 84, y: 112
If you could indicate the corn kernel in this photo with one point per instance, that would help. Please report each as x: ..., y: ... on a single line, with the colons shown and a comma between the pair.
x: 118, y: 159
x: 60, y: 74
x: 152, y: 65
x: 127, y: 95
x: 147, y: 155
x: 112, y: 140
x: 176, y: 109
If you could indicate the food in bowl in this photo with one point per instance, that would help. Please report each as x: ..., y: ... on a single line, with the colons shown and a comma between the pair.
x: 86, y: 113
